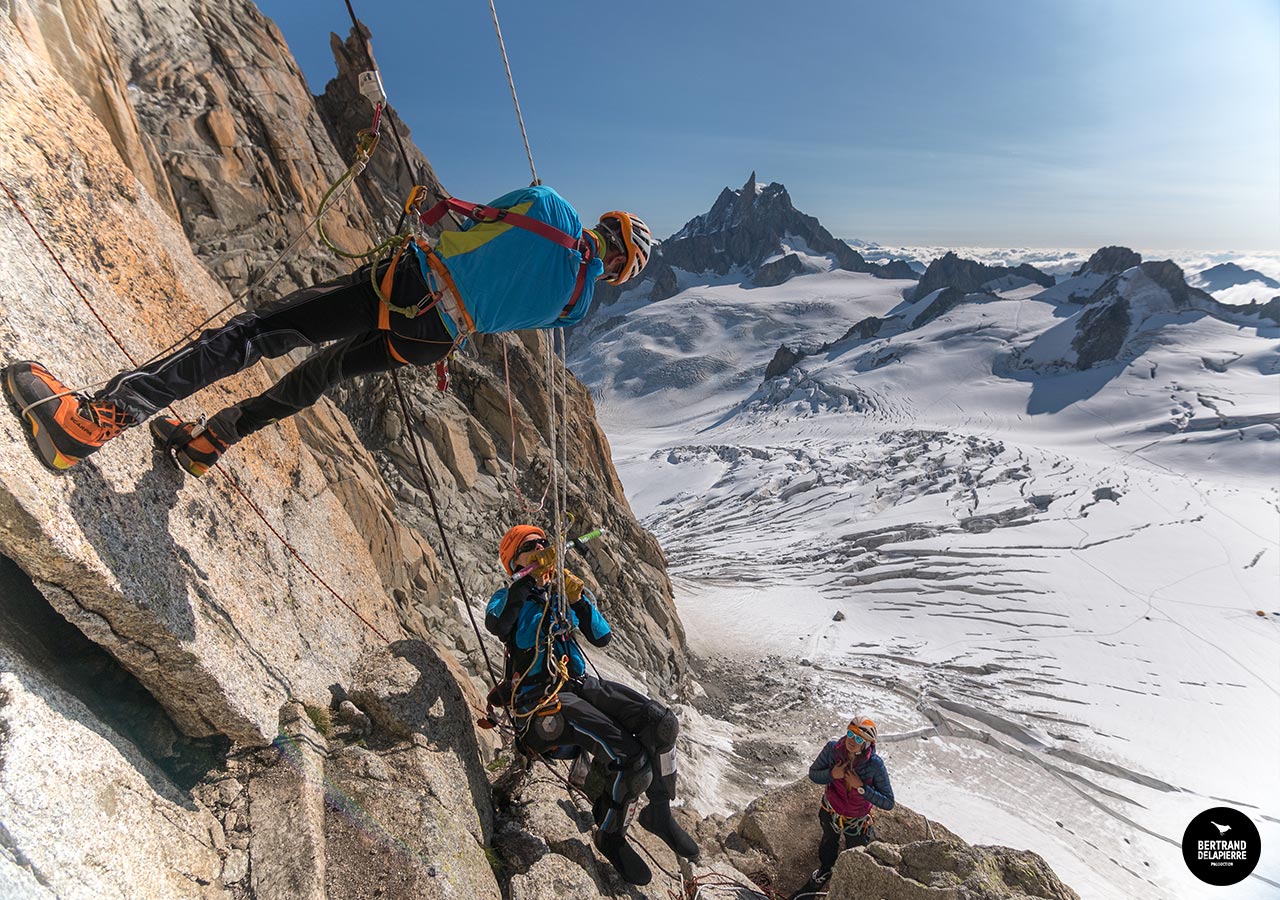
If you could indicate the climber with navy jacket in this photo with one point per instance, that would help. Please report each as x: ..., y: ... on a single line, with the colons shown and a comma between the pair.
x: 524, y: 261
x: 555, y: 703
x: 856, y: 780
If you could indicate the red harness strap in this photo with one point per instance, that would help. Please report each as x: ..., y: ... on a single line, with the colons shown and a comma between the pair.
x: 490, y: 214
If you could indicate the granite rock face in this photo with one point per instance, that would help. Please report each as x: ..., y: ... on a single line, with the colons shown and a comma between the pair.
x: 261, y: 585
x: 183, y: 581
x: 945, y: 870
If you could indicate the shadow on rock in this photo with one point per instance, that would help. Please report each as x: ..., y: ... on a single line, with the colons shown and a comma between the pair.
x: 408, y: 689
x: 130, y: 532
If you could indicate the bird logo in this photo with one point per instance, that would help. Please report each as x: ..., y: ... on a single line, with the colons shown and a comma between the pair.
x: 1222, y: 829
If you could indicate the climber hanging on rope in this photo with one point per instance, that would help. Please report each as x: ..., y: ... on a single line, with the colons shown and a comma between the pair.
x: 523, y: 261
x: 556, y: 704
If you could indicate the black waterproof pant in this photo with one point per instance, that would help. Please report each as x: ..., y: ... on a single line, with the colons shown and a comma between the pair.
x: 342, y: 313
x: 616, y: 724
x: 829, y: 848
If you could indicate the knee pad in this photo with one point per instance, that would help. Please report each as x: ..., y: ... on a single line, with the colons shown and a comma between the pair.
x: 636, y: 777
x: 661, y: 727
x: 548, y: 728
x: 660, y: 735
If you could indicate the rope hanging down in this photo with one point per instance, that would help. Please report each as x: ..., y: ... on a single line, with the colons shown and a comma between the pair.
x: 497, y: 29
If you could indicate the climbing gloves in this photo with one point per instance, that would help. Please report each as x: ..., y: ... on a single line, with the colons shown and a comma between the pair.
x: 573, y: 587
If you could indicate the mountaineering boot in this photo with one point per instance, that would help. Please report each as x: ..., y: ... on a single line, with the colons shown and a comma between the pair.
x: 656, y: 818
x: 194, y: 447
x: 614, y: 846
x: 63, y: 426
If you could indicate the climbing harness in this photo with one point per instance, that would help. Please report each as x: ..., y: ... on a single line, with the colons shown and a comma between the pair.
x: 847, y: 825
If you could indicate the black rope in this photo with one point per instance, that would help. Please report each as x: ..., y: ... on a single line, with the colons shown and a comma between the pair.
x: 404, y: 404
x: 435, y: 509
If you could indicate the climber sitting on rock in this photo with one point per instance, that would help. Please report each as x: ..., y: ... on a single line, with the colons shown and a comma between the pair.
x: 856, y: 780
x: 512, y: 270
x: 556, y: 704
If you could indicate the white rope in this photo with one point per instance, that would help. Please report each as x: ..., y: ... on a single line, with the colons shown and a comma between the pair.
x: 497, y: 29
x: 557, y: 527
x: 562, y: 481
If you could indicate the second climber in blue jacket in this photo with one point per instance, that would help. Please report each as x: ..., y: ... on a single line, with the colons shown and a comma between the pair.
x: 557, y: 706
x: 527, y: 262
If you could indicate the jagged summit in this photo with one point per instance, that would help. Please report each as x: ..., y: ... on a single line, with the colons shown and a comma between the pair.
x: 757, y: 225
x: 732, y: 206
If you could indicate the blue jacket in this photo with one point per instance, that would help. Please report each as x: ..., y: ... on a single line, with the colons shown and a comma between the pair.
x: 514, y: 614
x: 876, y: 789
x: 510, y: 278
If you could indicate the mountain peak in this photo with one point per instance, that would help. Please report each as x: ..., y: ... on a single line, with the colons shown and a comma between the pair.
x: 1109, y: 261
x: 746, y: 227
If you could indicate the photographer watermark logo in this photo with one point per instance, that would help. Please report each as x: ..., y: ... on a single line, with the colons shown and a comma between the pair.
x: 1221, y: 846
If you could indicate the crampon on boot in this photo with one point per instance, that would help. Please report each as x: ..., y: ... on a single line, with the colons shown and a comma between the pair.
x: 194, y: 447
x: 623, y: 858
x: 64, y: 427
x: 656, y: 819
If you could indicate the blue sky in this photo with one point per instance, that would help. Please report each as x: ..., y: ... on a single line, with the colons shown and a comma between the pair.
x: 1073, y: 123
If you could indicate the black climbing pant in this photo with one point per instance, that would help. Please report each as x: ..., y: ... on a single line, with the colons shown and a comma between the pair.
x: 616, y: 724
x: 829, y: 848
x: 342, y: 313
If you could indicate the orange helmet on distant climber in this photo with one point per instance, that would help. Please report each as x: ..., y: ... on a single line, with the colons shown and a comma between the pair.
x: 627, y: 233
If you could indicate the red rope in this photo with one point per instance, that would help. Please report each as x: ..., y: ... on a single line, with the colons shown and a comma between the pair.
x: 70, y: 280
x: 231, y: 481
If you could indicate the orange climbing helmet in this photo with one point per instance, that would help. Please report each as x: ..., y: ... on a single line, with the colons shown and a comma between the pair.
x: 509, y: 547
x: 863, y: 727
x: 627, y: 232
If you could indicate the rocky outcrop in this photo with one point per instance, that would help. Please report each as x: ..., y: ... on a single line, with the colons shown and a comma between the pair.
x: 783, y: 359
x: 778, y: 271
x: 946, y: 300
x: 1109, y: 261
x: 971, y: 277
x: 912, y: 857
x: 1269, y: 310
x: 944, y: 870
x: 663, y: 278
x: 544, y: 845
